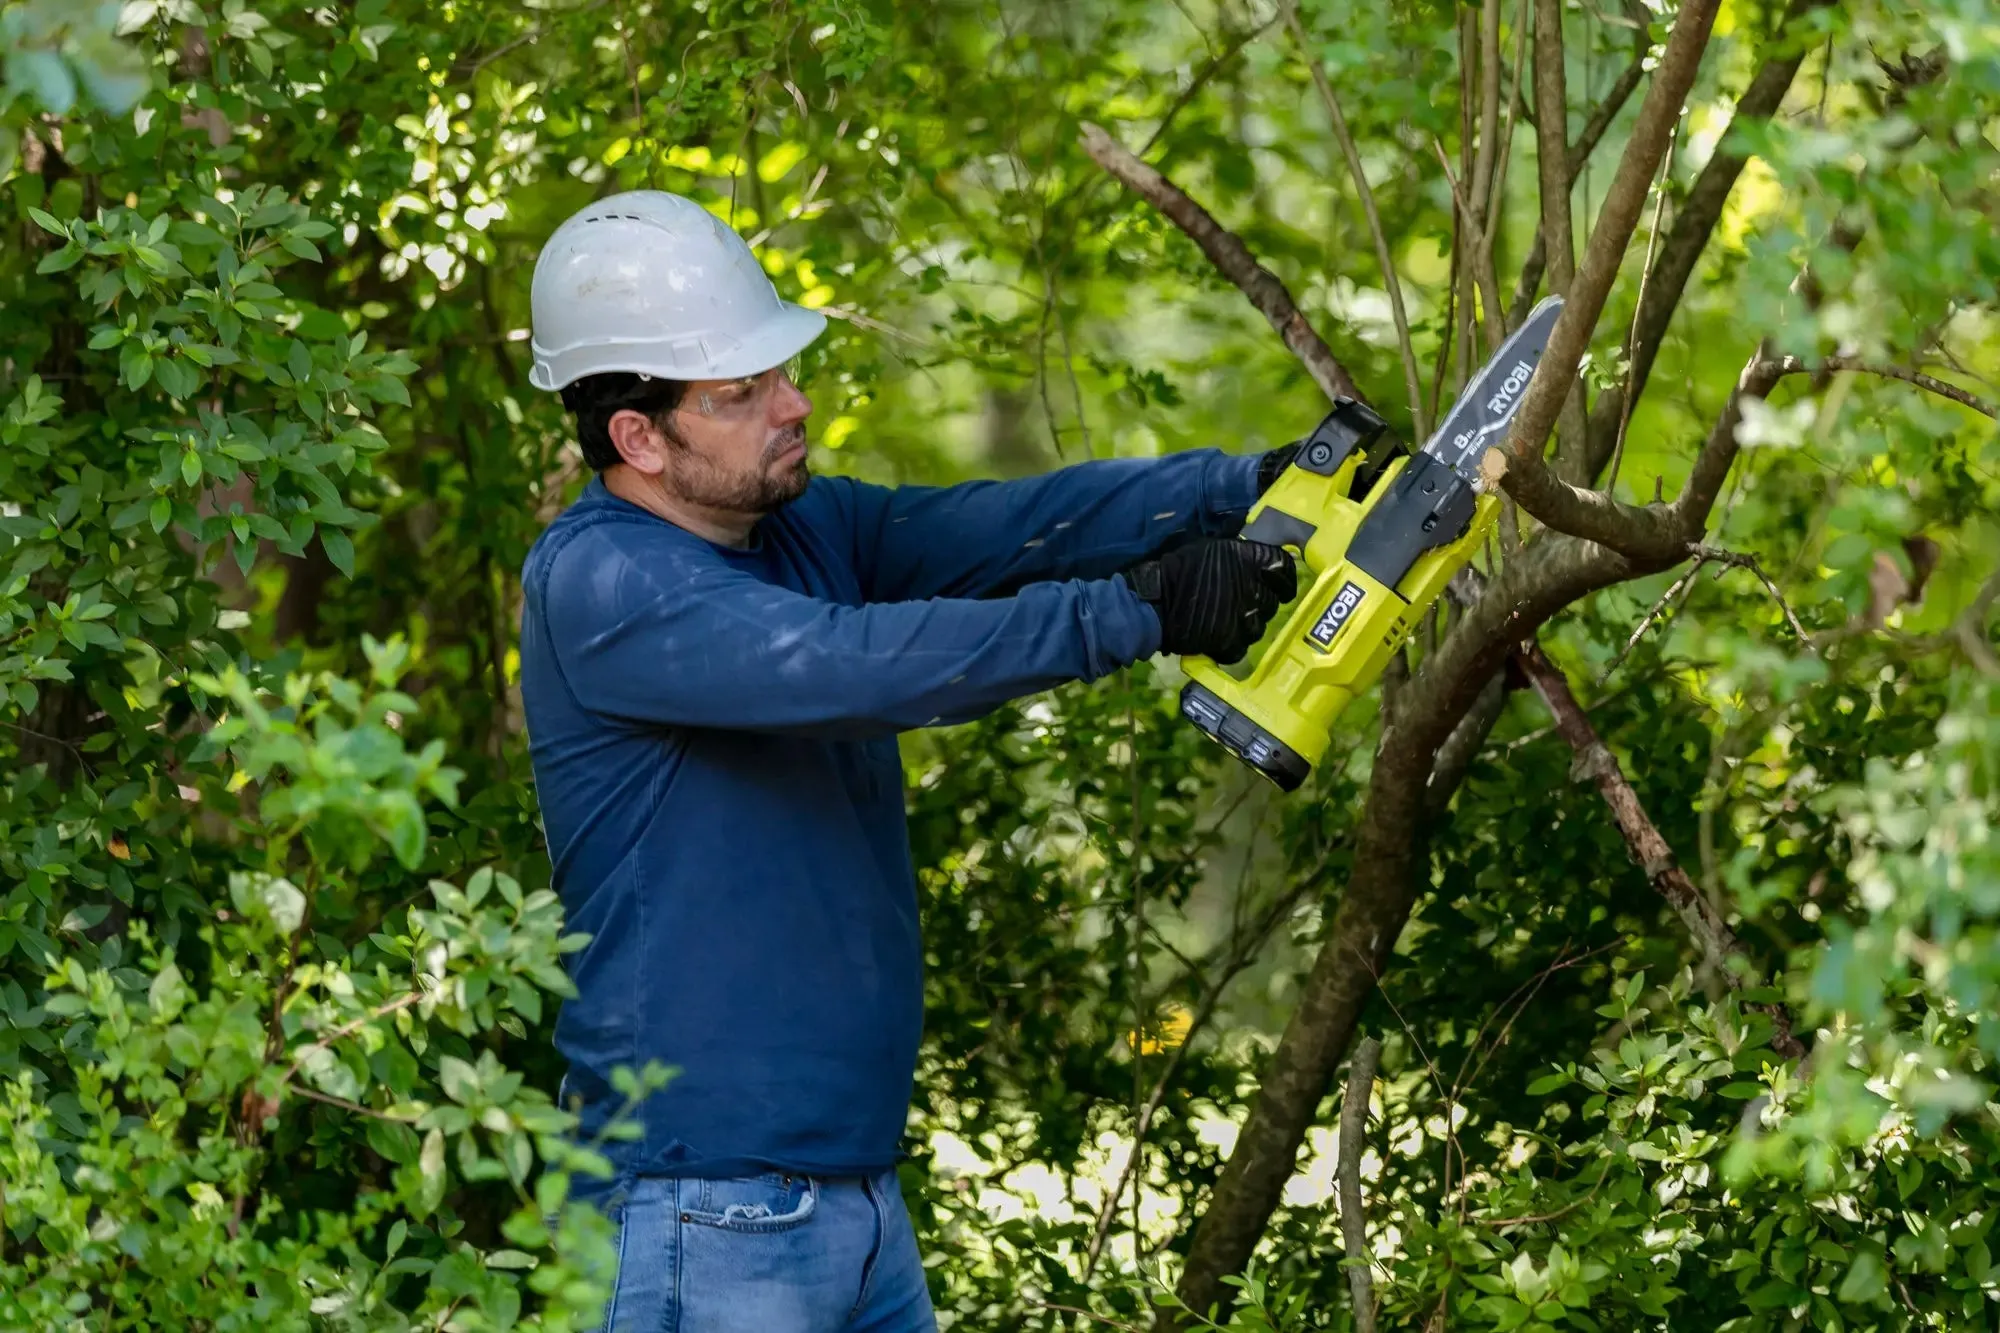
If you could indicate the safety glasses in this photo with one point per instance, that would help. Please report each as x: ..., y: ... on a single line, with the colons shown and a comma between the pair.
x: 747, y: 396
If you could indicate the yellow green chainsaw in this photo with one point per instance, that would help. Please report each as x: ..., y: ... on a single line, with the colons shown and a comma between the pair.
x: 1379, y: 533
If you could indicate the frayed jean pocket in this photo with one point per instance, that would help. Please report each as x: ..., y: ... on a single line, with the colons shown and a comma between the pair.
x: 757, y: 1204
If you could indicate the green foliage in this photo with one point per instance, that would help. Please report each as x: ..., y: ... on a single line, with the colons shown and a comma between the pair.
x: 278, y: 955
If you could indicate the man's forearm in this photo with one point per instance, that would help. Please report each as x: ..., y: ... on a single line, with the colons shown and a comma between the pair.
x: 1086, y: 521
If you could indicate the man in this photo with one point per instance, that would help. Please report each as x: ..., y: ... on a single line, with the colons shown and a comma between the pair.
x: 717, y: 653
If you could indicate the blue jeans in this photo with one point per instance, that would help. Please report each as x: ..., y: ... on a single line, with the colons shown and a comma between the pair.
x: 767, y: 1254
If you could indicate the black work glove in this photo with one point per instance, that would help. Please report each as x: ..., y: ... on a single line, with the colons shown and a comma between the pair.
x: 1214, y: 595
x: 1271, y: 463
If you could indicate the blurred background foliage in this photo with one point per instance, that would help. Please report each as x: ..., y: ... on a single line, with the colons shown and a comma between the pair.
x: 277, y: 956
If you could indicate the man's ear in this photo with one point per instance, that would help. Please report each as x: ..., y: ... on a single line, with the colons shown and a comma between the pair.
x: 638, y: 440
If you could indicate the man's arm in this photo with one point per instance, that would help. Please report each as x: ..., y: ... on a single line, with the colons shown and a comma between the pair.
x: 1080, y: 522
x: 692, y: 643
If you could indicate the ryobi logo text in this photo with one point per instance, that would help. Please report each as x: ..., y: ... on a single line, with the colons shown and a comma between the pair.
x: 1338, y: 613
x: 1500, y: 406
x: 1503, y: 397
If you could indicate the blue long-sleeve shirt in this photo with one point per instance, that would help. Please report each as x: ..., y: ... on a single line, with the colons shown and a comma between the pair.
x: 713, y: 736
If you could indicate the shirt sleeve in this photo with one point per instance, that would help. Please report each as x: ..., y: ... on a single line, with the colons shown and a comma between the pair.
x: 687, y: 641
x: 1086, y: 521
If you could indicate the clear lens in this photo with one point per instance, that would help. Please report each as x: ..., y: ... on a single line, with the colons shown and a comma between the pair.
x: 738, y: 398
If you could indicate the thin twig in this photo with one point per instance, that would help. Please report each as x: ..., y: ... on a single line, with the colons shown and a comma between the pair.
x: 1451, y: 1148
x: 1792, y: 365
x: 1203, y: 75
x: 1241, y: 954
x: 1524, y: 994
x: 1568, y: 1208
x: 302, y: 1090
x: 1353, y: 1138
x: 849, y: 315
x: 1477, y: 240
x: 1610, y: 486
x: 1970, y: 628
x: 1140, y: 1011
x: 1383, y: 256
x: 1646, y: 621
x: 798, y: 211
x: 535, y: 33
x: 347, y: 1029
x: 1743, y: 560
x: 1091, y: 1315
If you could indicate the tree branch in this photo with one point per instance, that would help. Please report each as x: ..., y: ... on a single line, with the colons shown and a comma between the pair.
x: 1230, y: 257
x: 1383, y: 257
x: 1720, y: 948
x: 1552, y: 146
x: 1694, y: 221
x: 1353, y: 1138
x: 1579, y: 153
x: 1552, y: 154
x: 1478, y: 251
x: 1555, y: 375
x: 1480, y: 188
x: 1653, y: 534
x: 1645, y: 276
x: 1718, y: 454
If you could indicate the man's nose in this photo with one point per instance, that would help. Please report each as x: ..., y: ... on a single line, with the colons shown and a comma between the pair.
x: 789, y: 405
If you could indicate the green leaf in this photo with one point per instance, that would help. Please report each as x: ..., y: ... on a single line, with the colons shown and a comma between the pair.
x: 190, y: 467
x: 49, y: 223
x: 430, y: 1167
x: 1548, y: 1083
x: 1978, y: 1261
x: 179, y: 379
x: 339, y: 549
x: 135, y: 365
x: 218, y: 211
x: 46, y: 75
x: 163, y: 508
x: 457, y: 1078
x: 167, y: 993
x: 1867, y: 1280
x: 395, y: 1142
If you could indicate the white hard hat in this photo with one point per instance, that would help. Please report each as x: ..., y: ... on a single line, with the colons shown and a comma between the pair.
x: 655, y: 284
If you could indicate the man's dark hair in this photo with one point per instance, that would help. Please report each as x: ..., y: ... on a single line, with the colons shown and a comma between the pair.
x: 595, y: 399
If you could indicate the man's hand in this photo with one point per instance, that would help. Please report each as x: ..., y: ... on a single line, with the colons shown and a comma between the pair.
x: 1274, y: 461
x: 1215, y: 595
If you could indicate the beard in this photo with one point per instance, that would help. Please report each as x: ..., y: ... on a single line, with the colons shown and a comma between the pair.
x: 763, y: 488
